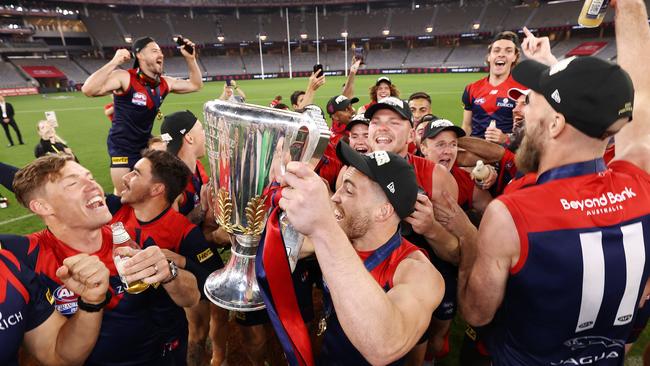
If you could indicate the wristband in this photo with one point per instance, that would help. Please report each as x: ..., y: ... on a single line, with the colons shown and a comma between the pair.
x: 93, y: 308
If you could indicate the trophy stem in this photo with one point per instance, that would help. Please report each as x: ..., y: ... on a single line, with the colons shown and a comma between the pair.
x: 235, y: 287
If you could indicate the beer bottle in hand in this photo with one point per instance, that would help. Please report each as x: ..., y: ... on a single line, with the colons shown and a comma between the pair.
x: 123, y: 249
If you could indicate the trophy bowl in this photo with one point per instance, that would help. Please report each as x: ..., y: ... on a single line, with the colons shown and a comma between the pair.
x: 246, y: 144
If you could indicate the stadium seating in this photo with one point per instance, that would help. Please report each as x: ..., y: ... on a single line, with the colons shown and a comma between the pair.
x: 427, y: 56
x: 10, y: 77
x: 472, y: 55
x: 222, y: 65
x: 69, y: 68
x: 384, y: 59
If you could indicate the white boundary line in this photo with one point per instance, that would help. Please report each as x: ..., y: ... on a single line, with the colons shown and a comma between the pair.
x: 15, y: 219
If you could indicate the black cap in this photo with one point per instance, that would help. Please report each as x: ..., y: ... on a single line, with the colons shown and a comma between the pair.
x: 339, y: 103
x: 434, y: 126
x: 357, y: 119
x: 138, y: 45
x: 384, y: 79
x: 174, y: 127
x: 395, y: 104
x: 392, y: 172
x: 591, y: 93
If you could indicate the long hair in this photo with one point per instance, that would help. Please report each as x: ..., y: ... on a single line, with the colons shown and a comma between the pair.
x: 394, y: 92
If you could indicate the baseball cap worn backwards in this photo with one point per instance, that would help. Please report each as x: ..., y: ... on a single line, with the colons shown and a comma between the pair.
x: 591, y: 93
x: 393, y: 173
x: 174, y: 127
x: 138, y: 45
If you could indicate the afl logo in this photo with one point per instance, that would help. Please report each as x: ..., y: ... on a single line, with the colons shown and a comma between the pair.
x: 65, y: 301
x: 139, y: 99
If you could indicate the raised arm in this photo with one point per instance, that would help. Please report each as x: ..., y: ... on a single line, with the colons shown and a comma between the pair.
x: 238, y: 90
x: 632, y: 40
x: 108, y: 78
x: 348, y: 88
x: 195, y: 81
x: 315, y: 82
x: 61, y: 341
x: 382, y: 326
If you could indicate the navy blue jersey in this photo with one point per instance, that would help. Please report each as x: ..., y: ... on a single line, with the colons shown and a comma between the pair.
x: 488, y: 102
x: 191, y: 197
x: 135, y: 111
x: 129, y: 334
x: 382, y: 264
x: 24, y: 305
x: 173, y: 231
x: 572, y: 297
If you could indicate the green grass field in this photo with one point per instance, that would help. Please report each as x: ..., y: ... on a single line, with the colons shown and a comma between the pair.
x: 84, y: 126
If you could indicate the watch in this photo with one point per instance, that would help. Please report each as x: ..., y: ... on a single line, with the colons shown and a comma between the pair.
x: 93, y: 308
x: 173, y: 270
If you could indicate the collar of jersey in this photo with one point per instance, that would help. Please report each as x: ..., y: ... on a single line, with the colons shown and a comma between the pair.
x: 573, y: 170
x: 142, y: 223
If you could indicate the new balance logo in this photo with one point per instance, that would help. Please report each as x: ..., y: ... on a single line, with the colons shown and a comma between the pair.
x: 391, y: 187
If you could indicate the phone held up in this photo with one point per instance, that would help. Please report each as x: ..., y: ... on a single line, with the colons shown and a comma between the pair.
x: 180, y: 41
x: 318, y: 70
x: 359, y: 54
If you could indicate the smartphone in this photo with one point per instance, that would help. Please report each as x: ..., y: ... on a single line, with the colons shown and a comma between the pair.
x: 318, y: 70
x: 228, y: 82
x: 181, y: 43
x: 358, y: 54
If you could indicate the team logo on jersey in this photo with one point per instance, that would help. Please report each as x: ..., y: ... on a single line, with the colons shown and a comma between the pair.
x: 139, y: 99
x: 505, y: 102
x: 479, y: 101
x: 204, y: 255
x: 11, y: 320
x: 65, y: 301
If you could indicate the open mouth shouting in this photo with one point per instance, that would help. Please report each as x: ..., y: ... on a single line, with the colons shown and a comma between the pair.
x: 96, y: 202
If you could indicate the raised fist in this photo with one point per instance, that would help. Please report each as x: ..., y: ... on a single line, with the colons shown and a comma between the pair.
x: 86, y: 276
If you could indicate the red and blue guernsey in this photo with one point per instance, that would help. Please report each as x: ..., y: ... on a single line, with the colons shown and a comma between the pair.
x: 191, y: 197
x: 173, y: 231
x: 24, y: 305
x: 572, y: 298
x: 382, y: 264
x: 135, y: 112
x: 488, y: 102
x: 128, y: 335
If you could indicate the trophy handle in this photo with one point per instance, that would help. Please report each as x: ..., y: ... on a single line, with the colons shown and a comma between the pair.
x: 308, y: 142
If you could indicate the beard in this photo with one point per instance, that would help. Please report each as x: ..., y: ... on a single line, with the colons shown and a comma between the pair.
x: 517, y: 137
x: 528, y: 156
x: 355, y: 226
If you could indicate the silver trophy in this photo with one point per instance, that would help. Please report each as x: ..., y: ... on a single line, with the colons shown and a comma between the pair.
x: 247, y: 145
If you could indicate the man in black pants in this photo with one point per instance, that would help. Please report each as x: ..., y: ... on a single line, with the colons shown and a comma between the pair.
x: 8, y: 120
